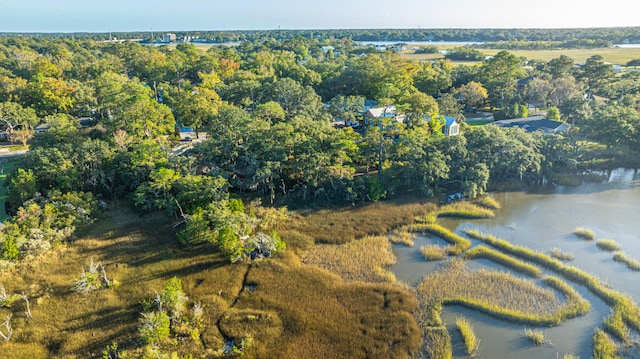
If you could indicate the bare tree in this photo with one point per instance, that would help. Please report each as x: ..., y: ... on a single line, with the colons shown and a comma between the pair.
x: 5, y: 329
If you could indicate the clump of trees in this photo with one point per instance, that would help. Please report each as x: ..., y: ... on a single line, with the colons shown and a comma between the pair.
x: 165, y: 319
x: 269, y: 108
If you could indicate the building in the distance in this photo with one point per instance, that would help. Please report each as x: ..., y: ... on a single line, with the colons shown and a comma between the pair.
x: 169, y: 37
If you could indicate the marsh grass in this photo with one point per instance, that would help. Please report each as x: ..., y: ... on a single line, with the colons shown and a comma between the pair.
x: 465, y: 210
x: 499, y: 294
x: 561, y: 255
x: 632, y: 264
x: 471, y: 342
x: 608, y: 245
x: 322, y: 316
x: 433, y: 252
x: 535, y: 336
x: 501, y: 258
x: 488, y: 202
x: 460, y: 244
x: 624, y: 303
x: 585, y: 233
x: 314, y: 313
x: 400, y: 236
x: 342, y: 225
x: 363, y: 259
x: 603, y: 346
x: 614, y: 324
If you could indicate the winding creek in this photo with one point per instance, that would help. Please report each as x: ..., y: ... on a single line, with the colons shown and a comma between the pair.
x: 542, y: 218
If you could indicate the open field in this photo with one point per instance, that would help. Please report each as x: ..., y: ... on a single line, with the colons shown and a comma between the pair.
x: 614, y: 55
x: 312, y: 312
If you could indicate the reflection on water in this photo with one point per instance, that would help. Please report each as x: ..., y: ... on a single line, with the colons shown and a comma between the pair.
x: 541, y: 218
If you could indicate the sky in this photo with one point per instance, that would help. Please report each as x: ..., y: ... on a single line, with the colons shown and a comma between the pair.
x: 177, y: 15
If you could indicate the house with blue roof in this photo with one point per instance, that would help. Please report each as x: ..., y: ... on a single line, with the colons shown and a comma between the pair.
x: 451, y: 126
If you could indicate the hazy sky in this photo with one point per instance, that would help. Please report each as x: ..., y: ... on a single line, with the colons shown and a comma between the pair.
x: 159, y: 15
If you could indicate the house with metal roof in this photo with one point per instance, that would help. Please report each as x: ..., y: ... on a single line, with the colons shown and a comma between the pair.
x: 534, y: 123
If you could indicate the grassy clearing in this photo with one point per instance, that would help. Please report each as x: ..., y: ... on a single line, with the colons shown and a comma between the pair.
x: 460, y: 244
x: 465, y: 210
x: 585, y: 233
x: 495, y: 256
x: 615, y: 55
x: 603, y: 346
x: 558, y: 253
x: 632, y: 264
x: 475, y: 123
x: 488, y: 202
x: 290, y: 309
x: 499, y: 294
x: 471, y: 342
x: 360, y: 260
x: 434, y: 252
x: 625, y: 304
x: 535, y: 336
x: 335, y: 226
x: 608, y: 245
x: 401, y: 236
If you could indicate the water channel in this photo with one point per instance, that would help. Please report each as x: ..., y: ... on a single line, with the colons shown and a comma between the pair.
x: 541, y: 218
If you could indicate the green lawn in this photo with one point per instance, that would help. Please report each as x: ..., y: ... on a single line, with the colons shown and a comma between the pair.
x: 478, y: 122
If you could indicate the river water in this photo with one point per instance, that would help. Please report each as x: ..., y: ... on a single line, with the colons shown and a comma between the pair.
x: 541, y: 218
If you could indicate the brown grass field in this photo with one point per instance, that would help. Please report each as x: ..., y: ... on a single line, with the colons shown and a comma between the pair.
x: 291, y: 310
x: 614, y: 55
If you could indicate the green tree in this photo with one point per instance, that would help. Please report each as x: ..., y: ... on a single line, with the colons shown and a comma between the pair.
x: 614, y: 125
x: 270, y: 111
x: 559, y: 67
x: 418, y: 106
x: 498, y: 75
x: 16, y: 117
x: 22, y: 186
x: 473, y: 94
x: 595, y: 73
x: 449, y: 106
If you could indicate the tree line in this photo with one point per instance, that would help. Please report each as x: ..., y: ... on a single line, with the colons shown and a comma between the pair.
x: 270, y: 109
x: 614, y: 35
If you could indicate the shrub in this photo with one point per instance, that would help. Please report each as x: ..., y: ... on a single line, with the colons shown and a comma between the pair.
x: 608, y: 245
x: 174, y: 297
x: 92, y: 278
x: 468, y: 335
x: 536, y: 337
x: 155, y: 326
x: 10, y: 249
x: 585, y: 233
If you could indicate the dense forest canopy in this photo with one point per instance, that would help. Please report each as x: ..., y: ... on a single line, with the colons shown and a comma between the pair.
x: 288, y: 118
x: 608, y: 35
